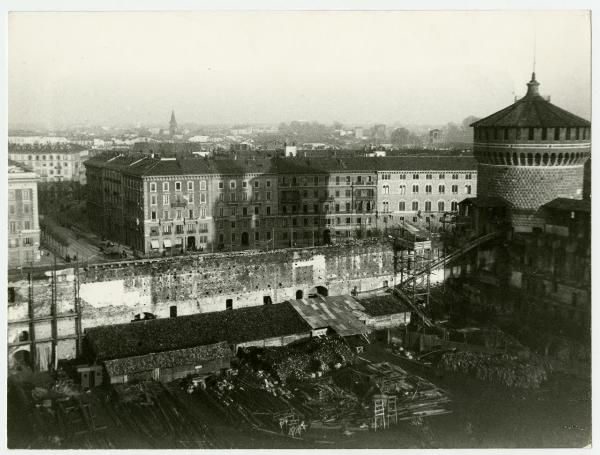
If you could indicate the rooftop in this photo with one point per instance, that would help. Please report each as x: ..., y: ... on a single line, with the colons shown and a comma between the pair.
x: 571, y: 205
x: 159, y: 335
x: 170, y: 359
x: 532, y: 110
x: 19, y: 171
x: 153, y: 166
x: 382, y: 305
x: 341, y: 313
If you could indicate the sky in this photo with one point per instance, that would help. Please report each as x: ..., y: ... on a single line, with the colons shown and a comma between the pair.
x: 411, y: 68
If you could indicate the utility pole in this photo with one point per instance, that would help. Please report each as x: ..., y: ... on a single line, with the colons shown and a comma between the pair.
x: 54, y: 328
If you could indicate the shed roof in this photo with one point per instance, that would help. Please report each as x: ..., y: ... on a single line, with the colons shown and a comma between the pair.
x: 168, y: 359
x: 571, y: 205
x: 383, y: 305
x: 159, y: 335
x: 341, y: 313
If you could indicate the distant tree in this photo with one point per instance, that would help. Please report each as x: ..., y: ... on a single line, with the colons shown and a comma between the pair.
x: 403, y: 137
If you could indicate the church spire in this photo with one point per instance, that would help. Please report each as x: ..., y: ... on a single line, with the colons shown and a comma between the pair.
x: 173, y: 124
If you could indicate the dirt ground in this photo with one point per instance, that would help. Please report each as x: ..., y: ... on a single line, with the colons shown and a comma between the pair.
x: 483, y: 416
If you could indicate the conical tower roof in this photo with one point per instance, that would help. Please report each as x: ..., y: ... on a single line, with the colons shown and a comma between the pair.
x: 532, y: 111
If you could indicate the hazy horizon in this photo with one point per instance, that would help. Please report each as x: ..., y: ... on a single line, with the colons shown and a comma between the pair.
x: 410, y: 68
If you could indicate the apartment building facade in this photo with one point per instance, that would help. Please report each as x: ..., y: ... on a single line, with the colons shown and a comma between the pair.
x: 168, y: 206
x: 52, y: 162
x: 23, y: 223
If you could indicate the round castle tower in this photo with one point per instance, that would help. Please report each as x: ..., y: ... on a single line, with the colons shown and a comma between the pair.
x: 531, y: 152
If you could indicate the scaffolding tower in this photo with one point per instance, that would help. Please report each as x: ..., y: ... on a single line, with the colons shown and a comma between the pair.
x: 413, y: 260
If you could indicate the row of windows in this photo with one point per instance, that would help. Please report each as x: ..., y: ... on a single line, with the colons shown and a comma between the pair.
x: 189, y: 198
x: 316, y: 180
x: 530, y: 159
x: 467, y: 176
x: 573, y: 133
x: 165, y: 186
x: 14, y: 243
x: 415, y: 206
x: 37, y: 157
x: 428, y: 189
x: 233, y: 184
x: 245, y: 211
x: 24, y: 195
x: 26, y: 209
x: 167, y: 229
x: 15, y: 226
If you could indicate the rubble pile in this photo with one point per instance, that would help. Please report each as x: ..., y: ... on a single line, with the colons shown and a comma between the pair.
x: 505, y: 369
x: 331, y: 406
x: 308, y: 360
x: 253, y: 397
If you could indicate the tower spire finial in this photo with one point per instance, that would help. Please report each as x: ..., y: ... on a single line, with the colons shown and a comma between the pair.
x: 534, y: 52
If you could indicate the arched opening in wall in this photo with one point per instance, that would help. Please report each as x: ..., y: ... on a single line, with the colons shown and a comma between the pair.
x: 522, y: 159
x: 173, y: 311
x: 545, y: 159
x: 560, y: 159
x: 515, y: 159
x: 299, y: 294
x: 505, y: 158
x: 244, y: 239
x: 326, y: 236
x: 24, y: 336
x: 552, y: 159
x: 566, y: 159
x: 143, y: 316
x: 229, y: 304
x: 22, y: 360
x: 530, y: 159
x: 538, y: 159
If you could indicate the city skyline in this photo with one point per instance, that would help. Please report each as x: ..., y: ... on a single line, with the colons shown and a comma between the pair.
x: 261, y: 71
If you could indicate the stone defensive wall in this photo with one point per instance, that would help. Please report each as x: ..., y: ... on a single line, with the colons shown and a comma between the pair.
x: 48, y: 311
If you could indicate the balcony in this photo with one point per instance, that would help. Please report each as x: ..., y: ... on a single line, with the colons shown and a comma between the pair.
x: 179, y: 204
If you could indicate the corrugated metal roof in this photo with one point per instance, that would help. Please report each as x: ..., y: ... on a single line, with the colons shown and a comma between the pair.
x: 341, y: 313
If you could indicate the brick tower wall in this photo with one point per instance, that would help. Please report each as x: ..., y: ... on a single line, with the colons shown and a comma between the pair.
x: 529, y: 187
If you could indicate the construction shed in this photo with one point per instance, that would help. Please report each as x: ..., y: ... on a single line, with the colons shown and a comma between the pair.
x: 170, y: 365
x: 141, y: 346
x: 385, y: 312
